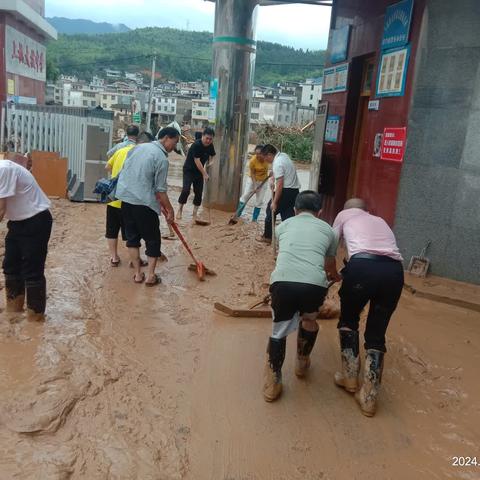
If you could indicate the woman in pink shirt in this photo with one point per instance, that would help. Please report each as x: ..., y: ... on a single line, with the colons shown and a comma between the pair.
x: 374, y: 273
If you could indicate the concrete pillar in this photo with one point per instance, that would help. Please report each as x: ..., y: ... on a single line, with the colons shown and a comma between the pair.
x: 234, y: 50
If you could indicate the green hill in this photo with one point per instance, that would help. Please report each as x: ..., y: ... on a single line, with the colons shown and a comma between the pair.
x: 181, y: 55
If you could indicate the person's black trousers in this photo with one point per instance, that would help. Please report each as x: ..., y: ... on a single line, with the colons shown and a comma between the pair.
x: 285, y: 209
x: 378, y: 281
x: 26, y: 246
x: 189, y: 179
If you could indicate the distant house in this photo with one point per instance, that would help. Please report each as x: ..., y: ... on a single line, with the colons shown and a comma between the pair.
x: 200, y: 108
x: 311, y: 92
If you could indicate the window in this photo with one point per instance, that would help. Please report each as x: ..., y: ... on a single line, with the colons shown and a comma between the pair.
x: 93, y: 103
x: 310, y: 105
x: 255, y: 104
x: 254, y: 116
x: 172, y: 109
x: 85, y: 103
x: 104, y: 105
x: 280, y: 118
x: 104, y: 97
x: 311, y: 88
x: 311, y: 97
x: 198, y: 113
x: 287, y: 118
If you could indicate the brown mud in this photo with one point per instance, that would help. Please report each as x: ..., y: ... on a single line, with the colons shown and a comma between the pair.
x: 129, y: 382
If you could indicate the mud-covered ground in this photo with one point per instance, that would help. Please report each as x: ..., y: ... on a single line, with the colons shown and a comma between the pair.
x: 129, y: 382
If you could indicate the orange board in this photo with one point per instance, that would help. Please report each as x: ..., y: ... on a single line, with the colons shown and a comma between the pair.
x: 50, y: 171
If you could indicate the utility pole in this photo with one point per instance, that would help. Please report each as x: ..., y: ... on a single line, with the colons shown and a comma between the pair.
x: 150, y: 97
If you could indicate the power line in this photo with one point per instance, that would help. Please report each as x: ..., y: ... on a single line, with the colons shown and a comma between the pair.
x: 126, y: 59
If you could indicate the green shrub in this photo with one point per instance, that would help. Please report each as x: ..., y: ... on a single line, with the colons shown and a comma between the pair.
x: 296, y: 144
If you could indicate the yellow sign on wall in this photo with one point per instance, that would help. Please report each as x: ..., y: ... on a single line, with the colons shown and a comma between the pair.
x: 11, y: 86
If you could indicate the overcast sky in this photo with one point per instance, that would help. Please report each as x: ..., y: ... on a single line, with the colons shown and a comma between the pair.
x: 301, y: 26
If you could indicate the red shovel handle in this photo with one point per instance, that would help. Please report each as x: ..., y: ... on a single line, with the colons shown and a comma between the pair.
x: 182, y: 239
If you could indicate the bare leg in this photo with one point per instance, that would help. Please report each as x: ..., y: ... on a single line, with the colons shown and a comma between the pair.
x: 134, y: 253
x: 152, y: 264
x: 309, y: 322
x: 180, y: 211
x: 195, y: 212
x: 113, y: 248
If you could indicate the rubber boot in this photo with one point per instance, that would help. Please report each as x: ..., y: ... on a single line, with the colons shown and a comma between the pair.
x: 36, y: 299
x: 348, y: 377
x: 256, y: 214
x: 272, y: 386
x: 305, y: 342
x: 241, y: 206
x: 367, y: 396
x: 15, y: 293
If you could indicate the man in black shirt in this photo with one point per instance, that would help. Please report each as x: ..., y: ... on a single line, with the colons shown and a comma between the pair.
x: 194, y: 171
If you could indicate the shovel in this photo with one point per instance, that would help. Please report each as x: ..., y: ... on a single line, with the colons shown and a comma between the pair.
x: 201, y: 269
x: 234, y: 219
x: 419, y: 264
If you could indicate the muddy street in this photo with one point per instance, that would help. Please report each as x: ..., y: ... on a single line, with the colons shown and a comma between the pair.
x: 128, y: 382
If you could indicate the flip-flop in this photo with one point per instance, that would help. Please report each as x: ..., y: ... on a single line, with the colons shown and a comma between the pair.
x: 155, y: 282
x: 142, y: 278
x: 114, y: 263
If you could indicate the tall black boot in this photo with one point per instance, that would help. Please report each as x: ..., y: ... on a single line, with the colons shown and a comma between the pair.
x: 349, y: 346
x: 367, y: 396
x: 272, y: 387
x: 305, y: 342
x: 36, y: 299
x: 15, y: 293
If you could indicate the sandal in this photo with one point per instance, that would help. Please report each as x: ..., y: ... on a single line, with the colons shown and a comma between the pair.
x: 142, y: 276
x: 156, y: 281
x: 114, y: 263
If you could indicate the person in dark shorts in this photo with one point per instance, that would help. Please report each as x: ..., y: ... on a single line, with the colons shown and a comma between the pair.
x: 142, y: 188
x: 374, y: 273
x: 26, y: 207
x: 114, y: 221
x: 286, y: 188
x: 298, y: 285
x: 194, y: 171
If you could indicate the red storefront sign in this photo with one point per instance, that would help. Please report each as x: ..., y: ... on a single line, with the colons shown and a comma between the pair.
x: 24, y: 56
x: 393, y: 144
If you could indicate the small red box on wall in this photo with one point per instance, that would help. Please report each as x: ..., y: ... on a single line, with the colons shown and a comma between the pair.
x: 393, y: 144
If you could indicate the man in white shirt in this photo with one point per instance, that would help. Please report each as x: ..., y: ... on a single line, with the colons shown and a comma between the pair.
x: 287, y: 187
x: 374, y: 273
x: 26, y: 207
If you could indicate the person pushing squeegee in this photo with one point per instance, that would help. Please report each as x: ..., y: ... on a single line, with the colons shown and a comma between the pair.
x: 256, y: 184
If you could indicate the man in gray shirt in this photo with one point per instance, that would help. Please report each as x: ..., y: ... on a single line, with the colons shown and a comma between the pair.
x: 142, y: 188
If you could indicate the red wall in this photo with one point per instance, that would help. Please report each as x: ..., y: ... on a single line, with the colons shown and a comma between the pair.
x: 378, y: 180
x: 25, y: 87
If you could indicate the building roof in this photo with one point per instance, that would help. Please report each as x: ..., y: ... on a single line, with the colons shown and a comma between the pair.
x: 19, y: 9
